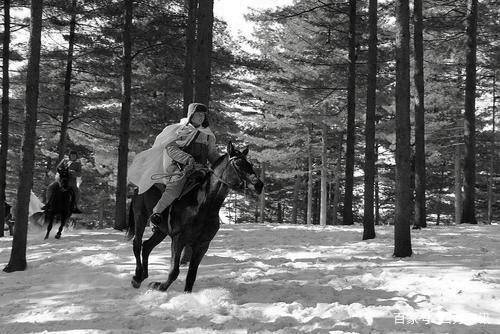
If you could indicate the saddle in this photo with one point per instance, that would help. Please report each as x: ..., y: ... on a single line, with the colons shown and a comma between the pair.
x: 194, y: 181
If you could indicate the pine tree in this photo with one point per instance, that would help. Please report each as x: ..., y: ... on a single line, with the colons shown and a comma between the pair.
x: 121, y: 188
x: 5, y: 111
x: 420, y: 212
x: 371, y: 104
x: 203, y: 62
x: 67, y: 84
x: 351, y: 114
x: 17, y: 260
x: 402, y: 237
x: 469, y: 205
x: 191, y: 6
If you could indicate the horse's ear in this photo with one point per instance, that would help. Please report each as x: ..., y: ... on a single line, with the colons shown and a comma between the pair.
x: 245, y: 151
x: 230, y: 149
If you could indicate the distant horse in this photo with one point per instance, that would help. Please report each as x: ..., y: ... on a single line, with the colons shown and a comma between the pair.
x: 194, y: 218
x: 8, y: 218
x: 60, y: 203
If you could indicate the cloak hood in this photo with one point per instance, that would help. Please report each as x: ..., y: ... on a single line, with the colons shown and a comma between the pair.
x: 192, y: 108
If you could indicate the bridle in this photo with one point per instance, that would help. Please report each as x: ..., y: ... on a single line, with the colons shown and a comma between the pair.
x: 241, y: 184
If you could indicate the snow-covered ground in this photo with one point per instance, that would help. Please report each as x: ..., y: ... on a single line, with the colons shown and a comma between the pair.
x: 261, y: 279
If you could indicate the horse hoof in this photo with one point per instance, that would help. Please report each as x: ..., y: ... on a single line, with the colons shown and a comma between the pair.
x: 58, y: 236
x: 135, y: 284
x: 157, y: 286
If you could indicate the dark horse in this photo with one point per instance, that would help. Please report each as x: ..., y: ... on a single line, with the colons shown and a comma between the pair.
x: 194, y: 218
x: 60, y: 203
x: 8, y: 218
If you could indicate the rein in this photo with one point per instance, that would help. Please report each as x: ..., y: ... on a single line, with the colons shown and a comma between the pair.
x: 241, y: 183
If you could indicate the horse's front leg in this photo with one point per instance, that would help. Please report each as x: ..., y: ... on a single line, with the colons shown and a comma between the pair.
x: 64, y: 218
x: 137, y: 244
x: 175, y: 260
x: 147, y: 246
x: 198, y: 252
x: 49, y: 219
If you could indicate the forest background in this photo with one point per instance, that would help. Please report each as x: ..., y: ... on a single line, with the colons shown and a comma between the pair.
x: 287, y: 92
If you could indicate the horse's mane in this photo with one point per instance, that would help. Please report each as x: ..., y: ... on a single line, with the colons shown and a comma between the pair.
x: 219, y: 160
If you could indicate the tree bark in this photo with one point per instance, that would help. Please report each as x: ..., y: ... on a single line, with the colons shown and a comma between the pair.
x: 18, y: 254
x: 295, y: 208
x: 316, y: 201
x: 121, y: 186
x: 377, y: 190
x: 63, y: 139
x: 191, y: 6
x: 336, y: 189
x: 469, y: 207
x: 324, y: 177
x: 351, y: 113
x: 279, y: 214
x: 458, y: 185
x: 262, y: 203
x: 418, y: 77
x: 309, y: 216
x: 402, y: 237
x: 491, y: 183
x: 204, y: 52
x: 4, y: 149
x: 371, y: 104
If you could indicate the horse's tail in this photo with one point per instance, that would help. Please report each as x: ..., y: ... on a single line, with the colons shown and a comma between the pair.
x: 131, y: 220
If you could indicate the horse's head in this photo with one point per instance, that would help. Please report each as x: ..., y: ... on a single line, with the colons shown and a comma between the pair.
x: 63, y: 177
x: 240, y: 170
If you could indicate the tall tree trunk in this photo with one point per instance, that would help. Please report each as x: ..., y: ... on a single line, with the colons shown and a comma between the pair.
x: 336, y: 178
x: 191, y: 6
x: 316, y: 201
x: 121, y: 186
x: 377, y: 189
x: 4, y: 149
x: 279, y: 213
x: 491, y: 180
x: 458, y: 184
x: 402, y: 236
x: 309, y: 180
x: 63, y: 139
x: 295, y: 207
x: 262, y: 203
x: 324, y: 181
x: 371, y: 104
x: 440, y: 193
x: 18, y: 254
x: 418, y: 77
x: 204, y: 52
x: 469, y: 206
x: 351, y: 113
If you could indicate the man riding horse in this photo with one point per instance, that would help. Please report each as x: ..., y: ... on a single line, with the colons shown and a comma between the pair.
x: 74, y: 167
x: 178, y: 151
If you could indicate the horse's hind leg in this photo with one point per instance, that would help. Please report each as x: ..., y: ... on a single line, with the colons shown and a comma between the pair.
x: 198, y: 253
x: 175, y: 260
x: 48, y: 218
x: 147, y: 247
x: 63, y: 222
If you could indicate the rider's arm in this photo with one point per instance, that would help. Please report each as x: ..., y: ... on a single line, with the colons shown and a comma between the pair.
x: 61, y: 164
x: 178, y: 155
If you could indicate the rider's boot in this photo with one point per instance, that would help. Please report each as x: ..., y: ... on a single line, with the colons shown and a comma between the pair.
x: 164, y: 202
